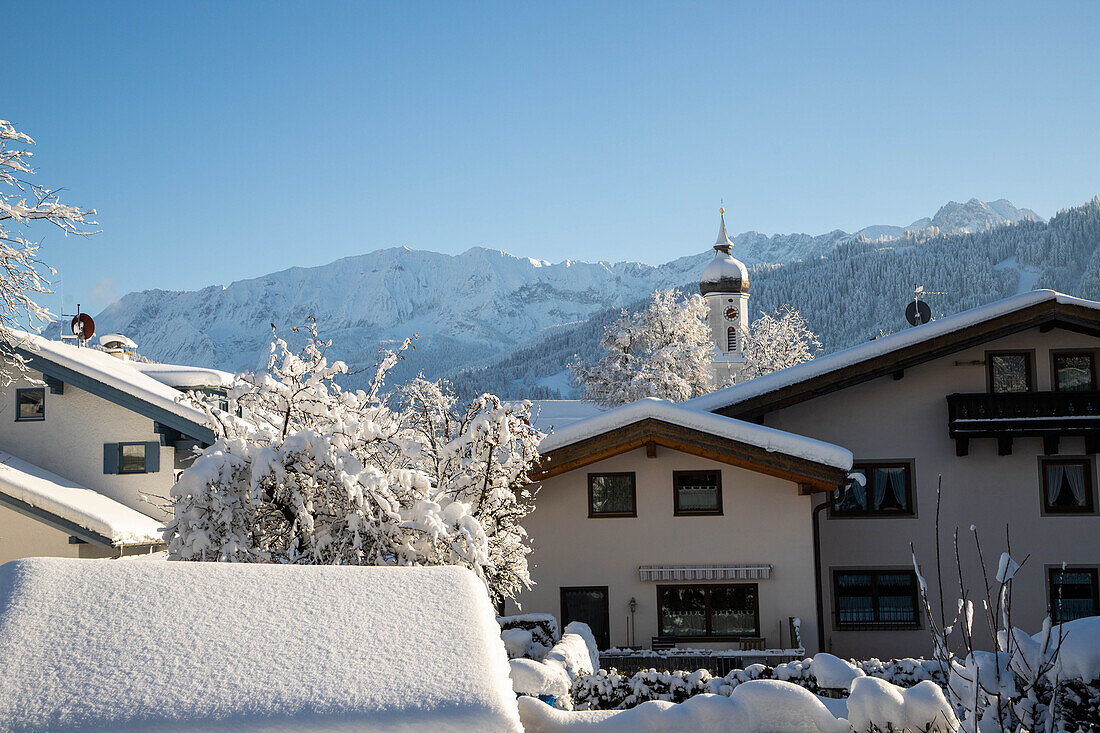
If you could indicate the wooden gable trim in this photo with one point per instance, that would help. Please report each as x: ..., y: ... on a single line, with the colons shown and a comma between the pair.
x: 810, y: 476
x: 1048, y: 315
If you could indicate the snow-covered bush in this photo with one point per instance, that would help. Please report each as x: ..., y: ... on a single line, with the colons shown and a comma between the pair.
x: 541, y: 631
x: 1018, y: 683
x: 306, y: 472
x: 22, y: 275
x: 573, y: 656
x: 609, y: 690
x: 663, y: 351
x: 776, y: 341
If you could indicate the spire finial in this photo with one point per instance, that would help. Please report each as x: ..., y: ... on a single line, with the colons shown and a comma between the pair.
x: 723, y: 243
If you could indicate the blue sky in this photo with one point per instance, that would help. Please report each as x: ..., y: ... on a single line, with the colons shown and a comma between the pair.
x: 221, y: 141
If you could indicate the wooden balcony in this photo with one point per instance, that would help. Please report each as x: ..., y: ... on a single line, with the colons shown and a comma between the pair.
x: 1046, y: 415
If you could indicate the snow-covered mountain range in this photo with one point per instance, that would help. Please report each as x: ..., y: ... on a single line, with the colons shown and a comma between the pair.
x: 468, y: 309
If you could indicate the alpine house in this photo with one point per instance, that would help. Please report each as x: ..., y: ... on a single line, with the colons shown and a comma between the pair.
x: 92, y: 444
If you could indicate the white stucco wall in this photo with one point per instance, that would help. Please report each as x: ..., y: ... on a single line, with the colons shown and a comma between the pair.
x: 765, y: 521
x: 908, y: 419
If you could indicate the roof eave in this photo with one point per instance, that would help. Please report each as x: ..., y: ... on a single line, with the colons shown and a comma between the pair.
x: 1045, y: 315
x: 811, y: 476
x: 67, y: 526
x: 38, y: 362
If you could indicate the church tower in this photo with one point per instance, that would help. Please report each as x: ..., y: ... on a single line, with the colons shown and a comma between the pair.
x: 725, y: 286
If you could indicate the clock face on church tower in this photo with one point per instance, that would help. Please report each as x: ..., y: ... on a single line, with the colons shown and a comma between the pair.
x: 731, y: 314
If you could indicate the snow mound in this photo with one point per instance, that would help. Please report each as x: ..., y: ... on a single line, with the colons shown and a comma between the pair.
x: 923, y: 707
x: 531, y: 677
x: 115, y: 522
x: 175, y: 646
x: 761, y: 706
x: 1078, y: 655
x: 833, y: 673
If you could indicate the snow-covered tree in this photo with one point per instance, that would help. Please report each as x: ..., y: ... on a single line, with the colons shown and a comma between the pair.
x: 479, y: 454
x: 306, y: 472
x: 662, y: 351
x: 776, y: 341
x: 22, y: 276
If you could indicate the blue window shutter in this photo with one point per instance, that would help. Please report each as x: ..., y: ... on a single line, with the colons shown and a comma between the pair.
x: 152, y: 457
x: 110, y: 458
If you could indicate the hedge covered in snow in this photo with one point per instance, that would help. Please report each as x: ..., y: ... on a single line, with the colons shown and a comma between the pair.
x: 608, y: 690
x: 529, y: 635
x: 1077, y: 707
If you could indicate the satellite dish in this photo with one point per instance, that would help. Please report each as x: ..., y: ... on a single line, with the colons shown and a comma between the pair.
x: 918, y: 312
x: 85, y: 321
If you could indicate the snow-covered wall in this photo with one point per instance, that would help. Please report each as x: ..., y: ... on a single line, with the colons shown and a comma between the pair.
x: 174, y: 646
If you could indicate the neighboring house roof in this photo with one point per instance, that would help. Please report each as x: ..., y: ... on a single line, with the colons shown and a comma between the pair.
x: 207, y: 646
x: 72, y: 508
x: 894, y: 353
x: 185, y: 377
x: 651, y: 422
x: 115, y: 380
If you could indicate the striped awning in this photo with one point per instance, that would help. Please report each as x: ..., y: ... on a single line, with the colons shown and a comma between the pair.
x: 705, y: 572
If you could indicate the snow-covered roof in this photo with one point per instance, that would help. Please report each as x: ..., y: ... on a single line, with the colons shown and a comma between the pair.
x: 558, y: 414
x: 117, y: 338
x: 770, y: 439
x: 156, y: 646
x: 880, y: 347
x: 116, y: 523
x: 185, y: 377
x: 102, y: 368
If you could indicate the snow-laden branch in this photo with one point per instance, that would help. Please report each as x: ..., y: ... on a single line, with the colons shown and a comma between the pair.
x: 306, y: 472
x: 22, y: 274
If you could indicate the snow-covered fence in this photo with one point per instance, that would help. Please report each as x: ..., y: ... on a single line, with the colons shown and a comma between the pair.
x: 717, y: 662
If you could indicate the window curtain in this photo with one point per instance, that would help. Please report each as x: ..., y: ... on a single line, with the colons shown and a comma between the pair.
x: 894, y: 478
x: 1076, y: 476
x: 1072, y: 475
x: 1055, y: 472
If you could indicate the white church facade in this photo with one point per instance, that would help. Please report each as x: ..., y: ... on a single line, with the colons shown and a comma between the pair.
x: 725, y: 286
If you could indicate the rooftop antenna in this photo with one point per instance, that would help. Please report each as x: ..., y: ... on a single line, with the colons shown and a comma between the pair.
x: 81, y: 325
x: 917, y: 312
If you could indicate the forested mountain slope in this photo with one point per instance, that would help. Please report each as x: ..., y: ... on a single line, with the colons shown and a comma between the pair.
x: 861, y: 288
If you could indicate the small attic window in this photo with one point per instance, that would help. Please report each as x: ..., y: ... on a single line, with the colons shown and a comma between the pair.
x: 30, y: 404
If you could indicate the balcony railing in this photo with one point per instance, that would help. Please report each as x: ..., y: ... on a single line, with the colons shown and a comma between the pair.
x: 1050, y: 415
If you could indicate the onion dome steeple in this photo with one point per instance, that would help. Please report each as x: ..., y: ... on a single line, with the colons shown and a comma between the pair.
x: 725, y: 273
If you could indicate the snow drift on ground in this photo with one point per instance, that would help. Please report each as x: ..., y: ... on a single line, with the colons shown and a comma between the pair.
x: 177, y: 646
x: 761, y: 706
x: 833, y: 672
